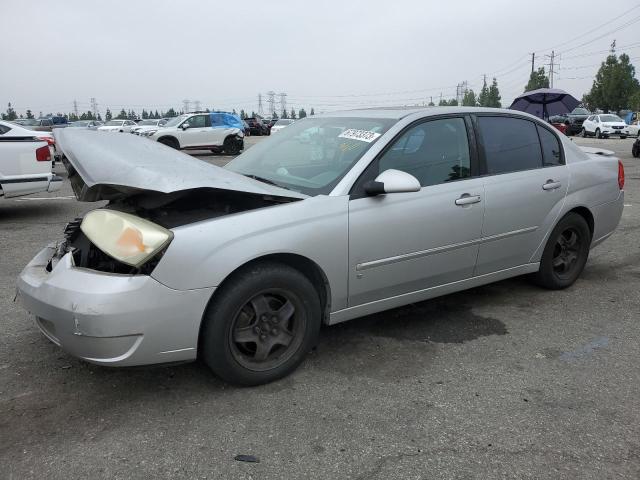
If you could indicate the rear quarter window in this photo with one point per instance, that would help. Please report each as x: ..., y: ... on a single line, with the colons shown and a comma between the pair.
x: 510, y: 144
x: 551, y: 151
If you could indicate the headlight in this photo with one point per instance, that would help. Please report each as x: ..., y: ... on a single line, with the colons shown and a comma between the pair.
x: 127, y: 238
x: 148, y: 133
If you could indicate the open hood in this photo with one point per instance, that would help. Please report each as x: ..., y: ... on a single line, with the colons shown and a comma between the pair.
x: 113, y: 167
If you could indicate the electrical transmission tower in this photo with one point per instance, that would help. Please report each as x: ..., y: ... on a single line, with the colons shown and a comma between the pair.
x: 186, y: 105
x: 260, y: 107
x: 271, y: 100
x: 75, y: 108
x: 196, y: 105
x: 94, y: 107
x: 283, y: 101
x: 552, y: 64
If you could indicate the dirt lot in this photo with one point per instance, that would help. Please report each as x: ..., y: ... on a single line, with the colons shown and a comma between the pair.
x: 503, y: 381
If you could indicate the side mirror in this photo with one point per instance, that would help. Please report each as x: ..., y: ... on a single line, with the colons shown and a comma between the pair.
x: 392, y: 181
x: 185, y: 125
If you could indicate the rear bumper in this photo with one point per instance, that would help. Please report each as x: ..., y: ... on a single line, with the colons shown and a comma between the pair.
x: 108, y: 319
x: 606, y: 218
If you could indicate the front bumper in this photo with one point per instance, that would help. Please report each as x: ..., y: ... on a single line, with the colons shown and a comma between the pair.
x: 110, y: 319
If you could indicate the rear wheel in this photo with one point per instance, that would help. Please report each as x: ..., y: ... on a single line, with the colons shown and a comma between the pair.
x: 584, y: 133
x: 261, y: 324
x: 598, y: 134
x: 565, y: 254
x: 169, y: 142
x: 635, y: 150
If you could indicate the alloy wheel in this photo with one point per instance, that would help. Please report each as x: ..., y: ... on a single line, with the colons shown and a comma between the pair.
x: 566, y: 252
x: 267, y: 330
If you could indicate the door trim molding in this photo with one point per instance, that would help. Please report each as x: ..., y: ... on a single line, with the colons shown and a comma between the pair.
x: 445, y: 248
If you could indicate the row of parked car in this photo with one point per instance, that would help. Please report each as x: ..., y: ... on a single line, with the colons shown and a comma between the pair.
x: 604, y: 125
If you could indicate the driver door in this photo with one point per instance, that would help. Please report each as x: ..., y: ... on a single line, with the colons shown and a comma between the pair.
x: 405, y: 242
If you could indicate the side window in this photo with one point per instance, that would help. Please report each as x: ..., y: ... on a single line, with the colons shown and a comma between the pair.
x: 434, y: 152
x: 4, y: 129
x: 551, y: 153
x: 46, y: 123
x: 597, y: 119
x: 197, y: 121
x: 510, y: 144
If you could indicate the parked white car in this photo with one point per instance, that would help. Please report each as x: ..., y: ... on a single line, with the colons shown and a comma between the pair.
x: 633, y: 129
x: 117, y: 126
x: 604, y: 125
x: 280, y: 124
x: 25, y: 162
x: 216, y: 131
x: 148, y: 127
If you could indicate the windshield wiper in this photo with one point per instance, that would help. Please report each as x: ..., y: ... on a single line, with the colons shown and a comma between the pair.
x: 264, y: 180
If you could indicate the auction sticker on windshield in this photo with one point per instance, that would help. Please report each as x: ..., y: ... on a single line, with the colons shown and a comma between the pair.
x: 362, y: 135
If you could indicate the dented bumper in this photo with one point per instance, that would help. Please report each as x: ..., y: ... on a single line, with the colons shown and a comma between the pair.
x: 110, y: 319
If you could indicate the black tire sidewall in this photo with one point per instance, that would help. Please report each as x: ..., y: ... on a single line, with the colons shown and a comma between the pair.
x: 215, y: 349
x: 546, y: 277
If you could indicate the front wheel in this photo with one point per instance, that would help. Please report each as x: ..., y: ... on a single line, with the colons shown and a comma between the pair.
x: 261, y: 324
x: 565, y: 254
x: 635, y: 150
x: 584, y: 133
x: 598, y: 134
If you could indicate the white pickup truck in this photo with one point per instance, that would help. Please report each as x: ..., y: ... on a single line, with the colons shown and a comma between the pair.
x: 25, y: 162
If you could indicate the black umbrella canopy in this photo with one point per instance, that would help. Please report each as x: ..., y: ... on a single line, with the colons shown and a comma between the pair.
x: 545, y: 102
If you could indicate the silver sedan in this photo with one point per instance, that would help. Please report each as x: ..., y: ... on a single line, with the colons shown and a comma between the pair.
x: 337, y: 216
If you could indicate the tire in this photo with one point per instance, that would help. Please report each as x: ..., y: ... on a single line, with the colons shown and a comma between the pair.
x: 252, y: 305
x: 565, y: 254
x: 169, y: 142
x: 584, y: 133
x: 598, y: 134
x: 623, y: 137
x: 231, y: 146
x: 635, y: 150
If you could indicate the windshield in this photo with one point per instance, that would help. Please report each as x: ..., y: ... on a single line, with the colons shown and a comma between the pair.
x: 27, y: 121
x: 581, y: 111
x: 173, y: 122
x: 114, y: 123
x: 313, y: 154
x: 284, y: 122
x: 148, y: 122
x: 610, y: 118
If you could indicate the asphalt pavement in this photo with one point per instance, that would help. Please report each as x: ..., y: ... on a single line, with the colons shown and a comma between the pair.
x: 502, y: 381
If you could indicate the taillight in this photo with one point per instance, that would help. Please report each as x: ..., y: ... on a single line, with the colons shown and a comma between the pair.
x: 49, y: 140
x: 620, y: 175
x: 43, y: 154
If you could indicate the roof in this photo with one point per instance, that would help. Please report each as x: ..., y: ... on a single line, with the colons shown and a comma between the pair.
x: 398, y: 113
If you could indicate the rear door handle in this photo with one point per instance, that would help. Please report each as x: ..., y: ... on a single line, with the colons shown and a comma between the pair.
x: 466, y: 199
x: 551, y: 185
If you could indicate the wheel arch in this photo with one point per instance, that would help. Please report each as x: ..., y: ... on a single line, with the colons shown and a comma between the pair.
x: 304, y: 265
x: 169, y: 137
x: 585, y: 213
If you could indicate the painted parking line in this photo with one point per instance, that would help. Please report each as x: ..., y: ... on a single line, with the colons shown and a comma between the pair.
x: 627, y: 205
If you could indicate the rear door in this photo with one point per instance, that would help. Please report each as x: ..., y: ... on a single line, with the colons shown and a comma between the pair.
x: 525, y: 184
x: 405, y: 242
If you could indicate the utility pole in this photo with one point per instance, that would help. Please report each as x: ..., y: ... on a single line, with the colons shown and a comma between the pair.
x: 186, y: 105
x: 440, y: 98
x: 283, y: 102
x: 533, y: 62
x: 75, y: 108
x: 260, y: 109
x: 613, y: 48
x: 94, y: 107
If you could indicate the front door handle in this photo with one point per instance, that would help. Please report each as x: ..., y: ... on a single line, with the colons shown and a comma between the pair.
x: 466, y: 199
x: 551, y: 185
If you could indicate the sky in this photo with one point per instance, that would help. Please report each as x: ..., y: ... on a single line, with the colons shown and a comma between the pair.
x: 327, y: 55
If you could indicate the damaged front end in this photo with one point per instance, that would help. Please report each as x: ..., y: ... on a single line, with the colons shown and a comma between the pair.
x: 150, y: 182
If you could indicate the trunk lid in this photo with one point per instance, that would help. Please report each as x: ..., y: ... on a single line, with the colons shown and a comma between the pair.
x: 114, y: 167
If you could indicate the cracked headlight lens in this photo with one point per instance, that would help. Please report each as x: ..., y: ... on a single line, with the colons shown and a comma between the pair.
x: 125, y: 237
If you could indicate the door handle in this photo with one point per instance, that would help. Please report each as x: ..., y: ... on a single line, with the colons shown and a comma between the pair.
x: 551, y: 185
x: 466, y: 199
